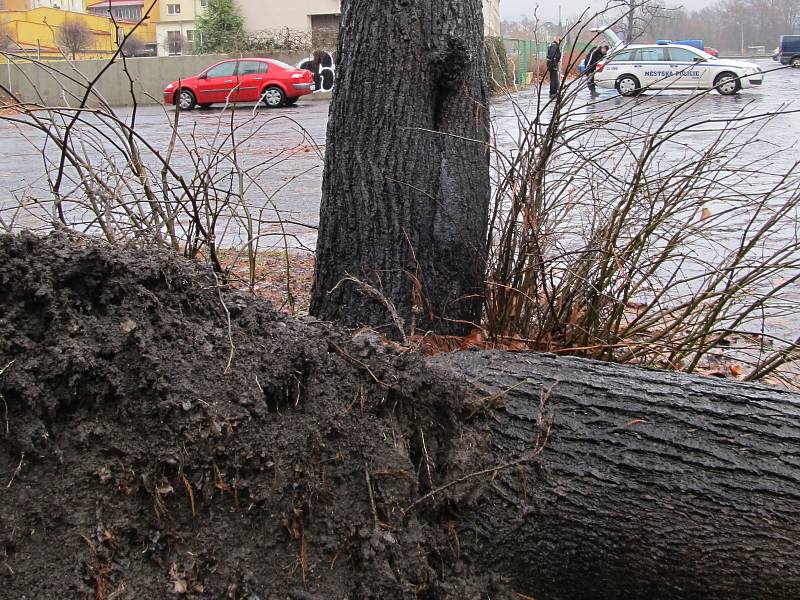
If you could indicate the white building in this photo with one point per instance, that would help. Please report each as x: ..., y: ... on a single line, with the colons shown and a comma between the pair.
x: 323, y: 15
x: 298, y: 15
x: 491, y: 17
x: 71, y: 5
x: 176, y: 28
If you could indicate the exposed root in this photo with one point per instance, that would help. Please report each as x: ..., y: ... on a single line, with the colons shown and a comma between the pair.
x: 189, y: 490
x: 16, y: 471
x: 372, y: 291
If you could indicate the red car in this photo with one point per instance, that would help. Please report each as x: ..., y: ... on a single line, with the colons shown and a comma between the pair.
x: 711, y: 51
x: 243, y: 80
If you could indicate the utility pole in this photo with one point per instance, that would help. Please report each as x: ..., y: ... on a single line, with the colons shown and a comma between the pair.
x: 560, y: 30
x: 631, y: 21
x: 742, y: 26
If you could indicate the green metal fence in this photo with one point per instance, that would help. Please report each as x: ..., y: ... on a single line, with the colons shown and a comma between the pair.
x: 523, y: 57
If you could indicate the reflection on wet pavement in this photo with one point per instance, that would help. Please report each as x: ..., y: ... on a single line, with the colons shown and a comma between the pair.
x: 280, y: 148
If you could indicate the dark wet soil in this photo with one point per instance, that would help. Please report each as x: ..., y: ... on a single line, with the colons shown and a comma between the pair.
x: 161, y: 437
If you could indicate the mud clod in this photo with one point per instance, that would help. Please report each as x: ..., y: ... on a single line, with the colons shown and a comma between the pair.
x: 151, y: 471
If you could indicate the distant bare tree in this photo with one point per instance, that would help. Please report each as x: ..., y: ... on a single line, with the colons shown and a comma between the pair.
x: 133, y: 45
x: 637, y: 17
x: 73, y: 37
x: 730, y: 24
x: 5, y: 37
x: 526, y: 28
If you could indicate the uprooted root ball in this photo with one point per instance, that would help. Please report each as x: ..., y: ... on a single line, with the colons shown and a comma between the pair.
x: 156, y: 448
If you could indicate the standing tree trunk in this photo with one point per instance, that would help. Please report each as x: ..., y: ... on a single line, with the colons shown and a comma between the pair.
x: 405, y: 192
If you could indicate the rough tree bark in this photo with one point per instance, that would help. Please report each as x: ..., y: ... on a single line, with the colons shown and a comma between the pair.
x: 406, y: 183
x: 651, y: 485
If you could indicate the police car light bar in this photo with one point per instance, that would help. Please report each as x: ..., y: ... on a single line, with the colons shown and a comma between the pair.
x: 663, y: 42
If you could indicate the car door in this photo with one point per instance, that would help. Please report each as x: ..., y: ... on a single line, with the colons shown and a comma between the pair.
x: 613, y: 67
x: 218, y: 84
x: 689, y: 71
x: 653, y: 64
x: 251, y: 79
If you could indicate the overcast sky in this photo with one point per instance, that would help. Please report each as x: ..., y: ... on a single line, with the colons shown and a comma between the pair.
x: 511, y: 10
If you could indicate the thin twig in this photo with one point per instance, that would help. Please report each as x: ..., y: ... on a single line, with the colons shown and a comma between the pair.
x: 5, y: 406
x: 360, y: 364
x: 544, y: 425
x: 17, y: 470
x: 227, y: 370
x: 492, y: 470
x: 427, y: 459
x: 376, y: 521
x: 372, y: 291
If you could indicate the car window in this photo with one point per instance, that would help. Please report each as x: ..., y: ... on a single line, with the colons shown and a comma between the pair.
x: 282, y: 65
x: 651, y: 54
x: 622, y: 56
x: 682, y: 55
x: 251, y: 67
x: 225, y: 69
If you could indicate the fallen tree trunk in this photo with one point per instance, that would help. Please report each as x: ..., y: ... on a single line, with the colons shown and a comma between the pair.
x: 650, y: 485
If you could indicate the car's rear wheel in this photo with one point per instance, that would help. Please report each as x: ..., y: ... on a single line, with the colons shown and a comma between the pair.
x: 795, y: 62
x: 186, y: 100
x: 290, y: 101
x: 727, y: 83
x: 628, y: 85
x: 273, y: 97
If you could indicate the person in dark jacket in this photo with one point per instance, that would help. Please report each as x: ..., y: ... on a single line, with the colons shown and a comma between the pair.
x: 553, y: 62
x: 595, y: 56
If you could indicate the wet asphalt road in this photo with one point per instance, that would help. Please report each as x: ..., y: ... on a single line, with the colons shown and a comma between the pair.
x: 283, y: 147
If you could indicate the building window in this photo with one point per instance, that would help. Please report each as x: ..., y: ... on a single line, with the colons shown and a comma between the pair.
x: 203, y: 3
x: 190, y: 35
x: 174, y: 42
x: 129, y: 13
x: 173, y: 9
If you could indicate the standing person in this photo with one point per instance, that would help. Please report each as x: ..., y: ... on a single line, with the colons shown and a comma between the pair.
x: 317, y: 62
x: 553, y: 62
x: 595, y: 56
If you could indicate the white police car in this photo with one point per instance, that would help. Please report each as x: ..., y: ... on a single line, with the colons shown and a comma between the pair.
x: 635, y: 68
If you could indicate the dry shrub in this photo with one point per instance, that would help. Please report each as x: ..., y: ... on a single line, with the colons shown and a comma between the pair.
x: 195, y: 191
x: 616, y: 234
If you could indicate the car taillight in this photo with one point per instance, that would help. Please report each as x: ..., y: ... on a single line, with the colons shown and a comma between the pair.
x: 600, y: 66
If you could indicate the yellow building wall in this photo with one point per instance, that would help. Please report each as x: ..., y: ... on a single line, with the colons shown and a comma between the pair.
x: 155, y: 14
x: 16, y: 5
x: 37, y: 30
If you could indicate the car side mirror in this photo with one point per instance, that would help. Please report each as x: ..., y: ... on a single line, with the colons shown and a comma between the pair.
x: 203, y: 76
x: 698, y: 59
